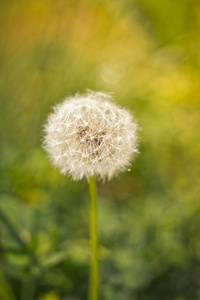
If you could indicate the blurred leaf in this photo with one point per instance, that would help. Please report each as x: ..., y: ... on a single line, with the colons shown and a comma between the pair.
x: 50, y: 296
x: 53, y: 259
x: 6, y: 292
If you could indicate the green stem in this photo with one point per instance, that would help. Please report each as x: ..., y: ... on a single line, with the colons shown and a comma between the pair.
x: 94, y: 270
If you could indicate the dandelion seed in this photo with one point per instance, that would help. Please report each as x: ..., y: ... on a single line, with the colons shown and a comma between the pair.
x: 87, y: 135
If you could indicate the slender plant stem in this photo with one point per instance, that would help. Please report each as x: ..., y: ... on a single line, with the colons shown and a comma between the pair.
x: 94, y: 269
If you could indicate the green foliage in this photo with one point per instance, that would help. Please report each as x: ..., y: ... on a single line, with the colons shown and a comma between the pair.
x: 147, y: 53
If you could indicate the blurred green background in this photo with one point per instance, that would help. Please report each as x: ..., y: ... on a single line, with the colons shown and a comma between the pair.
x: 148, y: 54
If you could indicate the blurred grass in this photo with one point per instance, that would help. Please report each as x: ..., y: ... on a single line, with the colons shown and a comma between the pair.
x: 147, y: 54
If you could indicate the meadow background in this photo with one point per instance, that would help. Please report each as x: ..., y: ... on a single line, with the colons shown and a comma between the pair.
x: 148, y: 54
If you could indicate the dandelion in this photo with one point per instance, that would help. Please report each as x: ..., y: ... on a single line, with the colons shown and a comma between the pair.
x: 88, y: 136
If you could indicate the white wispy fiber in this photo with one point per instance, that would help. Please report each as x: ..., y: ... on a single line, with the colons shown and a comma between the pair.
x: 89, y: 136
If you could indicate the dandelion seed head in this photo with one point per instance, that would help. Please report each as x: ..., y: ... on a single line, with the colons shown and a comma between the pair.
x: 87, y: 135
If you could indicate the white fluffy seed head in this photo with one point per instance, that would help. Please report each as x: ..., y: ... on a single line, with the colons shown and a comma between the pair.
x: 88, y: 136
